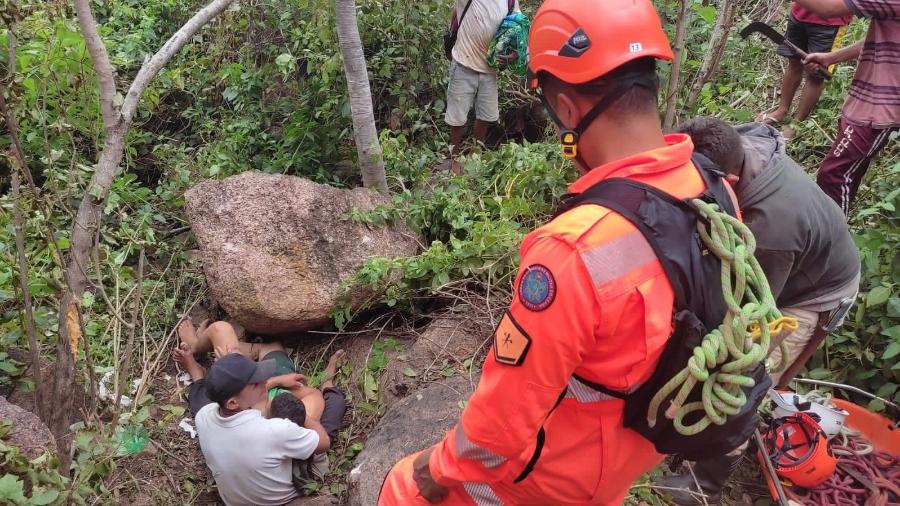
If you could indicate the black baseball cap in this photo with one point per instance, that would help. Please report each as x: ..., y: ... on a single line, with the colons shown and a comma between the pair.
x: 231, y: 373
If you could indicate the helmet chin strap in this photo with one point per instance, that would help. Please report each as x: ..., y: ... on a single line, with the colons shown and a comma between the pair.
x: 569, y: 137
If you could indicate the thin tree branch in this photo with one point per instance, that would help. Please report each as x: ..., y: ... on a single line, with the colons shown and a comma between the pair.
x: 106, y: 76
x: 718, y: 40
x: 28, y: 316
x: 89, y: 367
x: 672, y: 88
x: 11, y: 59
x: 124, y: 368
x: 159, y: 60
x: 11, y: 123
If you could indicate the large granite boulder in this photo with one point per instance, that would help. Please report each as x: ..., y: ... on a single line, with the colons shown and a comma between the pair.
x: 276, y: 249
x: 28, y: 433
x: 413, y: 424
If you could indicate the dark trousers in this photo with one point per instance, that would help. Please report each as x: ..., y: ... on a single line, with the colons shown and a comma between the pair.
x: 843, y: 168
x: 333, y: 413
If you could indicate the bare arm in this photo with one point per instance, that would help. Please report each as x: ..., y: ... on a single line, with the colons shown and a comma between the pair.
x: 826, y: 8
x: 287, y: 381
x: 848, y: 53
x: 826, y: 60
x: 324, y: 440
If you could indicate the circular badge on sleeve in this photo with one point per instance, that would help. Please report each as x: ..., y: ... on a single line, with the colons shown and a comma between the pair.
x: 537, y: 288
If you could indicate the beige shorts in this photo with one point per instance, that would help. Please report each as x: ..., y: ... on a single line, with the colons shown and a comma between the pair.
x: 468, y: 87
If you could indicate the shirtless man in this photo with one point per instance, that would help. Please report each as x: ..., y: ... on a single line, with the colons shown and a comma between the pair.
x: 253, y: 463
x: 220, y: 338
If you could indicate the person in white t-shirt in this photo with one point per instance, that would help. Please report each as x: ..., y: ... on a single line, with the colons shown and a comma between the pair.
x: 249, y: 455
x: 472, y: 81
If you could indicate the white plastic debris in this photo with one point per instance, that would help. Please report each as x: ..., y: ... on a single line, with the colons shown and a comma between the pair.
x: 184, y: 379
x: 185, y: 425
x: 104, y: 392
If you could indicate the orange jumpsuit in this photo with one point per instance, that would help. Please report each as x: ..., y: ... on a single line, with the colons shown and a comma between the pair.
x: 590, y: 300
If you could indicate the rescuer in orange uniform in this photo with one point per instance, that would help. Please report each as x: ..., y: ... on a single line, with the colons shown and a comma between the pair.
x: 591, y: 302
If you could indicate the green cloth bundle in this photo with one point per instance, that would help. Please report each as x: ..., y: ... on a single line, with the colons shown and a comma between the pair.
x: 511, y: 36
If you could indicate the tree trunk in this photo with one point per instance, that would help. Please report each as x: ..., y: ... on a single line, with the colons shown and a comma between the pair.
x: 678, y: 49
x: 367, y: 146
x: 87, y: 219
x: 718, y: 40
x: 83, y: 232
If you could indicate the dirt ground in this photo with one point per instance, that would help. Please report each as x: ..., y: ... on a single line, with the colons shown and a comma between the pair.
x: 171, y: 470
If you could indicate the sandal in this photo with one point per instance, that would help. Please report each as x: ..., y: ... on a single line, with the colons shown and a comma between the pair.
x: 765, y: 119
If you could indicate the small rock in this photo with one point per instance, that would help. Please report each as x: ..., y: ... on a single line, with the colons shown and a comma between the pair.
x: 411, y: 425
x: 29, y: 434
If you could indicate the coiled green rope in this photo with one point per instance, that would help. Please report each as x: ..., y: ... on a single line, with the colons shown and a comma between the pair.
x: 737, y: 345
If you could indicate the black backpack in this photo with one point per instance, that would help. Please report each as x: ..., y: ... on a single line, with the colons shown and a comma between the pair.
x: 670, y: 226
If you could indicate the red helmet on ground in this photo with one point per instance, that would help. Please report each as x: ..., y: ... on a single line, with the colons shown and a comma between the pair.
x: 580, y: 40
x: 799, y: 450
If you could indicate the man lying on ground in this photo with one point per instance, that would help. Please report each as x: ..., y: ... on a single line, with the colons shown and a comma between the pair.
x: 326, y: 404
x: 802, y: 244
x: 256, y: 460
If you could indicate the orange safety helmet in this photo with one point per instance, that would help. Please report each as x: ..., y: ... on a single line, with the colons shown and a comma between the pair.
x: 580, y: 40
x: 799, y: 450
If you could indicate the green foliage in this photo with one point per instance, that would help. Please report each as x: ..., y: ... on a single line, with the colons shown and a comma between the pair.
x: 473, y: 224
x: 865, y: 350
x: 375, y: 365
x: 37, y: 482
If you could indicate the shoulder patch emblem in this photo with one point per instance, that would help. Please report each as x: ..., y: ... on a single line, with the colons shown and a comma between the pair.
x: 511, y: 343
x: 537, y: 288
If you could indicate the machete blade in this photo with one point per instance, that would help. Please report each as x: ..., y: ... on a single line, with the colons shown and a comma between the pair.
x: 765, y: 30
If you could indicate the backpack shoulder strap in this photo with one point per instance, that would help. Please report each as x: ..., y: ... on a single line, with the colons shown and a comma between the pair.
x: 459, y: 21
x: 625, y: 196
x: 715, y: 186
x: 510, y: 5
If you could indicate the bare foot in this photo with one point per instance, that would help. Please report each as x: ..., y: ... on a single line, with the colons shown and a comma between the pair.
x: 185, y: 358
x: 331, y: 368
x: 788, y: 133
x: 187, y: 334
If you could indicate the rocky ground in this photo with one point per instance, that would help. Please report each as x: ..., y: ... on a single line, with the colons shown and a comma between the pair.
x: 278, y: 252
x: 422, y: 379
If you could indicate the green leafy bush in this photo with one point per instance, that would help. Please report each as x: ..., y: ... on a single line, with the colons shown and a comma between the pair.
x: 866, y: 350
x: 472, y: 224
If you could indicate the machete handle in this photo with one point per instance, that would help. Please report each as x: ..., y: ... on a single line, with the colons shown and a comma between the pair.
x: 803, y: 54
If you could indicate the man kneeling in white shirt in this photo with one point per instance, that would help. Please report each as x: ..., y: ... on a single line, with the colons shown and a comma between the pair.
x: 250, y: 456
